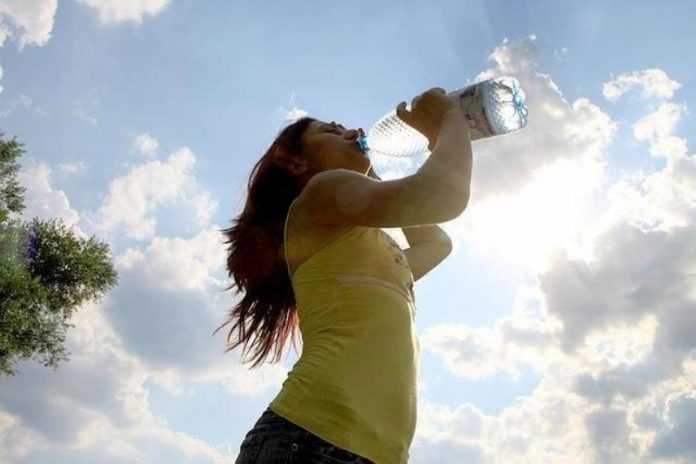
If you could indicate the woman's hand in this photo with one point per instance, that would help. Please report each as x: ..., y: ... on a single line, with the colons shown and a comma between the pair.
x: 427, y: 112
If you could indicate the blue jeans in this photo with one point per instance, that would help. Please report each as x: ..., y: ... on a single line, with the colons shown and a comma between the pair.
x: 276, y: 440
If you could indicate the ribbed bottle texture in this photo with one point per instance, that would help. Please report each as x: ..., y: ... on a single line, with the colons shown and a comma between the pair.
x: 497, y: 105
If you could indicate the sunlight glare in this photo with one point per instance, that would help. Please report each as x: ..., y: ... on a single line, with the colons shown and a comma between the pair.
x: 528, y: 226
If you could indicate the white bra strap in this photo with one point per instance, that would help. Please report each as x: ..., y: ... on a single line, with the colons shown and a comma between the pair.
x: 285, y: 237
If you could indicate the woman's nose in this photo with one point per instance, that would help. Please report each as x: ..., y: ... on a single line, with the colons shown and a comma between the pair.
x: 354, y: 134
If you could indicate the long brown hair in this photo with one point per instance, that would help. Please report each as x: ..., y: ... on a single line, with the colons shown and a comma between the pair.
x: 256, y: 255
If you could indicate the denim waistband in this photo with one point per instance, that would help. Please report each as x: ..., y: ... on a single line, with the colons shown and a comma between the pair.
x: 272, y: 423
x: 270, y: 420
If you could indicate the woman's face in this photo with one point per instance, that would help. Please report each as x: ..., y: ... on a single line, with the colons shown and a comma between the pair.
x: 330, y: 146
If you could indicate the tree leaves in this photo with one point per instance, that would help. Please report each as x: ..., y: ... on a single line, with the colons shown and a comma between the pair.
x: 46, y: 274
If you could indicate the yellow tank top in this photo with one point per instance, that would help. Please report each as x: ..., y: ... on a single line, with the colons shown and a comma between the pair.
x: 354, y: 384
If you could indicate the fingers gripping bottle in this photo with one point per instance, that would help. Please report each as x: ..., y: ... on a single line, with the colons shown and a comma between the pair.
x: 496, y: 105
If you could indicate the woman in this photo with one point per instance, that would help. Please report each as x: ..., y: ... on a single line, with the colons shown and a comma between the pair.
x: 308, y: 249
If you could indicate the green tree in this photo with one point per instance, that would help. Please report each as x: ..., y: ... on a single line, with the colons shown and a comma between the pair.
x: 11, y: 199
x: 46, y: 273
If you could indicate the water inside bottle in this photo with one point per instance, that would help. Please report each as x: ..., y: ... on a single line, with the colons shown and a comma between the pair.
x: 505, y: 105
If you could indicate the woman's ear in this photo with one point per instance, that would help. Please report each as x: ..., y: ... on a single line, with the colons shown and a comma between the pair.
x: 294, y: 164
x: 297, y: 166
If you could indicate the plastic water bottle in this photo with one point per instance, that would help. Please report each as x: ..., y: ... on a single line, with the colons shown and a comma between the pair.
x: 497, y: 105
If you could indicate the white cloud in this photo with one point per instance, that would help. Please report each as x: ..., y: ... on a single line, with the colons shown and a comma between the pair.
x: 446, y: 434
x: 657, y: 128
x: 468, y: 352
x: 544, y: 427
x: 662, y: 200
x: 166, y: 308
x: 146, y: 144
x: 294, y: 114
x: 654, y: 83
x: 134, y: 198
x: 41, y: 200
x: 555, y: 425
x: 635, y: 274
x: 176, y: 263
x: 291, y: 112
x: 658, y: 124
x: 203, y: 205
x: 117, y: 11
x: 21, y: 101
x: 93, y: 408
x: 72, y: 168
x: 29, y: 22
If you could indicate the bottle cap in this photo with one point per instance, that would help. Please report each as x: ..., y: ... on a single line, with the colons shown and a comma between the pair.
x: 362, y: 141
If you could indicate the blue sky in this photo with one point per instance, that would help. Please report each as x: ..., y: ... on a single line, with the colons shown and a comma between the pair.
x: 141, y: 122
